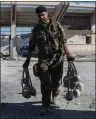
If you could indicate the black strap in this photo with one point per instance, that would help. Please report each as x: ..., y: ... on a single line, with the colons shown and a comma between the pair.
x: 27, y: 76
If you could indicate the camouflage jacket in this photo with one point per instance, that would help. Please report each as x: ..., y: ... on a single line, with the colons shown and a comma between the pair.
x: 49, y: 38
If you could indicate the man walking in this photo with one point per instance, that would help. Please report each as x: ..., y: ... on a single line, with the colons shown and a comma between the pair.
x: 50, y: 40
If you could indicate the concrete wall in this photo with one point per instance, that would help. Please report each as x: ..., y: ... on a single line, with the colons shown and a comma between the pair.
x: 93, y: 38
x: 78, y: 4
x: 77, y: 43
x: 77, y: 36
x: 76, y: 40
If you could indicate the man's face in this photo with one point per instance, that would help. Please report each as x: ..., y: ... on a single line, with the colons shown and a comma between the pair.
x: 43, y: 16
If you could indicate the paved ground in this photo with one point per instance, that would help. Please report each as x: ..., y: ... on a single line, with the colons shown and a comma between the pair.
x: 14, y: 106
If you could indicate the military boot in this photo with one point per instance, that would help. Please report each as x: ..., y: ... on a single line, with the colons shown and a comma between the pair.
x: 45, y: 110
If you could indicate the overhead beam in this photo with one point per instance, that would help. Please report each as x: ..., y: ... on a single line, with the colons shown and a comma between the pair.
x: 32, y: 3
x: 25, y: 24
x: 5, y: 24
x: 79, y: 11
x: 39, y: 3
x: 3, y: 2
x: 77, y: 4
x: 60, y: 11
x: 33, y: 10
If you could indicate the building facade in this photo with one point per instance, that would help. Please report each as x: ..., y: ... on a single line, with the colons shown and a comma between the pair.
x: 78, y: 20
x: 79, y: 23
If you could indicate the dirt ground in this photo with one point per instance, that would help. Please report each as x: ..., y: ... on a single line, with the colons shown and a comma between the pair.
x: 14, y: 106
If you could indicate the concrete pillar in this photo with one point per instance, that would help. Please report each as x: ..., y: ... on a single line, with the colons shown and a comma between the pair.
x: 93, y: 24
x: 13, y: 28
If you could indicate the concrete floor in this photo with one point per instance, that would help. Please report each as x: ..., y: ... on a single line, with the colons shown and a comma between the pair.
x: 14, y: 106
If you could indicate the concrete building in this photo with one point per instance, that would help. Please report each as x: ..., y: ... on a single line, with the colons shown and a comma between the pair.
x: 80, y: 20
x: 79, y: 23
x: 77, y: 19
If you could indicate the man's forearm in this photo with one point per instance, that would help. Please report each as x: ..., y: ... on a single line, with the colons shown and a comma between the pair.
x: 29, y: 55
x: 67, y: 51
x: 26, y: 64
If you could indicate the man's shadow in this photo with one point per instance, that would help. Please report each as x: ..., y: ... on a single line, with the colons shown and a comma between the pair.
x: 31, y: 110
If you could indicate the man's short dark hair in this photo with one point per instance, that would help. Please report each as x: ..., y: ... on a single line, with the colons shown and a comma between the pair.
x: 40, y: 9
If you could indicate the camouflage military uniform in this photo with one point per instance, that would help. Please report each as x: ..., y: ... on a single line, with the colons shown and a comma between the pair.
x: 50, y: 60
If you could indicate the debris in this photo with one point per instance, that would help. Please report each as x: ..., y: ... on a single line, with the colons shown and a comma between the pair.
x: 4, y: 56
x: 78, y: 103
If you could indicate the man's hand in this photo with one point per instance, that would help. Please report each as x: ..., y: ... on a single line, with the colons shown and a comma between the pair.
x: 26, y: 64
x: 70, y: 58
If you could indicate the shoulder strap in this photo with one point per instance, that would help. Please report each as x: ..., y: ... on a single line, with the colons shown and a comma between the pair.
x: 60, y: 27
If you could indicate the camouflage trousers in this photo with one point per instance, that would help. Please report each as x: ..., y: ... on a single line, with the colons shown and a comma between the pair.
x: 50, y: 80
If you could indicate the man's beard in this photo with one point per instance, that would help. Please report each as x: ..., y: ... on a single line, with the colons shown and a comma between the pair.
x: 45, y: 20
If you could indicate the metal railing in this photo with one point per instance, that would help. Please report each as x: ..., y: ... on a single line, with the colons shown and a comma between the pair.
x: 82, y: 48
x: 83, y: 52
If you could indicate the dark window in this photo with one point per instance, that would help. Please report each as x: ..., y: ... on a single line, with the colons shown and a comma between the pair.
x: 88, y: 40
x: 76, y: 22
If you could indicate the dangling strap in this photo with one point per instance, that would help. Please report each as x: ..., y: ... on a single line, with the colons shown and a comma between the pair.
x: 27, y: 75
